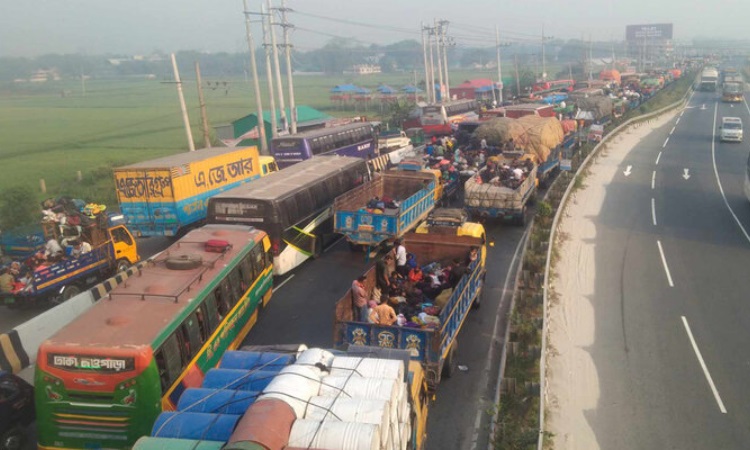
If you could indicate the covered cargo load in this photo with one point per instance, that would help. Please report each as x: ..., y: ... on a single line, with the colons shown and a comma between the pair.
x: 364, y: 398
x: 498, y: 193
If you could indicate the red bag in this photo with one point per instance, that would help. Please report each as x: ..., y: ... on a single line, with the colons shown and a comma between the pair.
x: 217, y: 245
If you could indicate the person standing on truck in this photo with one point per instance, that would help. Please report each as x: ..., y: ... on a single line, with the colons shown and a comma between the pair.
x: 400, y: 251
x: 359, y: 299
x: 383, y: 314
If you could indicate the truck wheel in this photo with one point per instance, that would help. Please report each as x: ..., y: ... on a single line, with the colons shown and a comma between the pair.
x: 449, y: 366
x: 521, y: 218
x: 357, y: 248
x: 478, y: 301
x: 69, y: 292
x: 122, y: 265
x: 13, y: 439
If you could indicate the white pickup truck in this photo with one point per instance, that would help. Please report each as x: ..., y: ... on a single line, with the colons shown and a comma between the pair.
x: 393, y: 141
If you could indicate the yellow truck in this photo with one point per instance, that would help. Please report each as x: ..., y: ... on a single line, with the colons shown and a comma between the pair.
x: 166, y: 196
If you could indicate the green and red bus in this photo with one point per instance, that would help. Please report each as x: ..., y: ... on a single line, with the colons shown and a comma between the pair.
x: 102, y: 380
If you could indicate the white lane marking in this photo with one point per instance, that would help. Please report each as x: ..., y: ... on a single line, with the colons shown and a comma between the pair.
x: 653, y: 215
x: 670, y: 133
x: 498, y: 319
x: 283, y: 282
x: 718, y: 180
x: 664, y: 262
x: 686, y: 174
x: 653, y: 179
x: 665, y: 143
x: 678, y: 119
x: 627, y: 171
x: 658, y: 157
x: 703, y: 366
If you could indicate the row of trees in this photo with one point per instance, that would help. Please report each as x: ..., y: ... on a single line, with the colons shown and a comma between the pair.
x: 333, y: 58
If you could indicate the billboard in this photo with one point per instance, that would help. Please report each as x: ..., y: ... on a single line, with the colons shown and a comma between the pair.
x: 651, y: 31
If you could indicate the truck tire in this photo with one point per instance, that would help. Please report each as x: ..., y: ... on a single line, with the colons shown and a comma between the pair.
x: 450, y: 363
x: 122, y: 265
x: 184, y: 262
x: 13, y: 439
x: 478, y: 301
x: 520, y: 220
x: 69, y: 292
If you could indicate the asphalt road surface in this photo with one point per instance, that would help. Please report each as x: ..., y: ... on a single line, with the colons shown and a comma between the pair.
x: 302, y: 311
x: 671, y: 304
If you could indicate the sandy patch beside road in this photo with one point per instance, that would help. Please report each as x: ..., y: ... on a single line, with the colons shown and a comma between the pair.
x: 572, y: 379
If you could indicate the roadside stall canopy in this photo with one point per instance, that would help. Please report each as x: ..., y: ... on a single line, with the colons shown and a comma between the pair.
x: 344, y: 89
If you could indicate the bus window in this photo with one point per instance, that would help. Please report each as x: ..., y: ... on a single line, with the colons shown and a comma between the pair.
x: 192, y: 335
x: 235, y: 283
x: 246, y: 268
x: 222, y: 302
x: 226, y: 293
x: 169, y: 360
x: 211, y: 312
x: 258, y: 262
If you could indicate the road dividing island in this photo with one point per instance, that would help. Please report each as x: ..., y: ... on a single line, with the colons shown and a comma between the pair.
x: 572, y: 382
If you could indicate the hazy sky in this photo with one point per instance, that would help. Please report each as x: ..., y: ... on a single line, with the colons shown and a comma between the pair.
x: 33, y: 27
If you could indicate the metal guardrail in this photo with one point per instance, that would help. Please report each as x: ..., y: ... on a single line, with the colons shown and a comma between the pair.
x: 552, y: 237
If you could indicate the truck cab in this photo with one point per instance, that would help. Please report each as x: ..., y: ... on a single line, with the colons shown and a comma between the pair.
x: 16, y: 410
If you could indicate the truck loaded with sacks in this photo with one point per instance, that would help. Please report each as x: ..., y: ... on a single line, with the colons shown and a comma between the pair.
x: 293, y: 397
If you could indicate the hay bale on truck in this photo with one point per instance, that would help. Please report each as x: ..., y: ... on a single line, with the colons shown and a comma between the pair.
x: 599, y: 108
x: 544, y: 136
x: 499, y: 131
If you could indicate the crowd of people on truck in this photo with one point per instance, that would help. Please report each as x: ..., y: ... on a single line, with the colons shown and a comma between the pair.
x: 65, y: 222
x: 509, y: 173
x: 412, y: 295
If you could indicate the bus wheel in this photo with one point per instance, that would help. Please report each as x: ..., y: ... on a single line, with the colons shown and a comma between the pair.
x: 449, y: 366
x: 12, y: 439
x: 69, y: 292
x: 122, y: 265
x: 521, y: 218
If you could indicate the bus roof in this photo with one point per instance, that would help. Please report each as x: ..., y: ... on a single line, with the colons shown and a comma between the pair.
x: 325, y: 131
x: 182, y: 158
x: 286, y: 182
x: 138, y: 310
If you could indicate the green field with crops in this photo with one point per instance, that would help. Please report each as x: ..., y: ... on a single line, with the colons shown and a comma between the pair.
x: 52, y: 130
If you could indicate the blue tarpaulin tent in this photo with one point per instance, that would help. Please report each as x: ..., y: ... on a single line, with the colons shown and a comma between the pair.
x: 344, y: 89
x: 385, y: 89
x: 410, y: 89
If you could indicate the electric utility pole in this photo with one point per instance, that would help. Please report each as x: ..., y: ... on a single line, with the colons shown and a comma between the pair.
x: 426, y: 67
x: 499, y: 67
x: 443, y: 28
x: 202, y: 102
x: 254, y: 68
x: 438, y: 44
x: 277, y: 68
x: 288, y: 51
x: 431, y: 34
x: 269, y: 76
x: 185, y: 119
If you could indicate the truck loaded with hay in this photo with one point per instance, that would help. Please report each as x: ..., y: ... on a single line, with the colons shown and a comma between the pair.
x: 530, y: 156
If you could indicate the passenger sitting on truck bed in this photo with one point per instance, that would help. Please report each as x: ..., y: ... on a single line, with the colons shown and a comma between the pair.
x: 6, y: 280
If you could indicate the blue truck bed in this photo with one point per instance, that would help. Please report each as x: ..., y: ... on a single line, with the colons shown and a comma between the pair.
x: 434, y: 347
x: 415, y: 192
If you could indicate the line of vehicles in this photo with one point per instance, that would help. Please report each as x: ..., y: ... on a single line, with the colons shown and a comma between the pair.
x: 103, y: 380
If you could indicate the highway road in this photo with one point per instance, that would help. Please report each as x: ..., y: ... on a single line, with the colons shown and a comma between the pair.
x: 302, y: 311
x: 672, y: 318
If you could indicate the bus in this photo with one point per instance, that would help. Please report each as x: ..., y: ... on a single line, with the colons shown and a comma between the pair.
x: 354, y: 139
x: 294, y: 206
x: 102, y: 380
x: 440, y: 120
